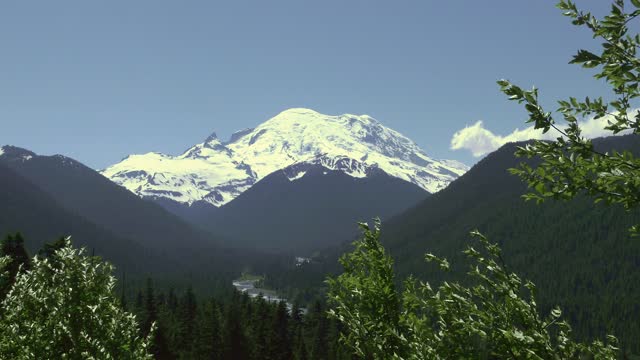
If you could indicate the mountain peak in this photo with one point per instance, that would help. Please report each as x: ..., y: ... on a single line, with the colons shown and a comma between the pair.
x: 211, y: 137
x: 298, y: 111
x: 237, y: 135
x: 16, y: 153
x: 218, y: 171
x: 302, y: 112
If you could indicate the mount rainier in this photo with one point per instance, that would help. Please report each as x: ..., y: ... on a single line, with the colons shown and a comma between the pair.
x: 217, y: 172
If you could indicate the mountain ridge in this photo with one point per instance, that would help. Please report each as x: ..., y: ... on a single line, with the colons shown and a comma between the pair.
x: 218, y: 171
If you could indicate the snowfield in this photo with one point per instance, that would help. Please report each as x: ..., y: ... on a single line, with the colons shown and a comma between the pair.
x: 217, y: 172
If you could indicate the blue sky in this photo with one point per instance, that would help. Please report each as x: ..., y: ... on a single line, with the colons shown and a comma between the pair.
x: 98, y: 80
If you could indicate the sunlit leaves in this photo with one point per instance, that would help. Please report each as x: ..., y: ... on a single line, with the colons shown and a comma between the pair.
x: 494, y: 316
x: 64, y: 308
x: 365, y: 297
x: 570, y: 165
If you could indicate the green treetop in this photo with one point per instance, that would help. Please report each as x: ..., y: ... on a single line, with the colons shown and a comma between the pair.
x: 66, y: 309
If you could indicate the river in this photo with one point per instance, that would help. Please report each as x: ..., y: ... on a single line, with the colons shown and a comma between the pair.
x: 248, y: 286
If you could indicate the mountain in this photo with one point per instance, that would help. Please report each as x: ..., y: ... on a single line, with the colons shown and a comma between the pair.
x: 216, y: 172
x: 579, y: 254
x: 45, y: 197
x: 300, y: 179
x: 84, y: 191
x: 28, y: 209
x: 306, y: 206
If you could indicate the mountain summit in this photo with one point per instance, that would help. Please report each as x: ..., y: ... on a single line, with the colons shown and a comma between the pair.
x: 217, y: 172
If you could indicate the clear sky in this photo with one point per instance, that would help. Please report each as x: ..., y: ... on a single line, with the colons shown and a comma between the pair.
x: 98, y: 80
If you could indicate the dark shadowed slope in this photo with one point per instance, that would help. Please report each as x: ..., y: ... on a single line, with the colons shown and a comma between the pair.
x: 580, y: 255
x: 84, y: 191
x: 28, y: 209
x: 315, y: 211
x: 75, y: 200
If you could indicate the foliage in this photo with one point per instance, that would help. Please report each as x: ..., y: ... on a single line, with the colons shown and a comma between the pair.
x: 12, y: 246
x: 236, y: 326
x: 66, y: 309
x: 4, y: 274
x: 365, y: 298
x: 570, y: 165
x: 578, y: 254
x: 490, y: 318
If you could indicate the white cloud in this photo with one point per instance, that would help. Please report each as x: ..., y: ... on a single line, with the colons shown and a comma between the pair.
x: 481, y: 141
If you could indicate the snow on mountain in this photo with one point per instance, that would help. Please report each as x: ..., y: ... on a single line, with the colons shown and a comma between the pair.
x: 14, y: 153
x: 297, y: 135
x: 207, y: 171
x: 217, y: 171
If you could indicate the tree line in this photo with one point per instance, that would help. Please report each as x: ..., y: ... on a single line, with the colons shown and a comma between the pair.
x: 54, y: 303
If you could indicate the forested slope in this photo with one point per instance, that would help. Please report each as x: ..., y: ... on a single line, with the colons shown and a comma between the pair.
x: 580, y: 255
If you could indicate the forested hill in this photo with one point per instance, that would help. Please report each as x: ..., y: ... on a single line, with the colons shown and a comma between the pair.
x: 30, y: 210
x: 53, y: 196
x: 81, y: 189
x: 580, y: 255
x: 310, y: 213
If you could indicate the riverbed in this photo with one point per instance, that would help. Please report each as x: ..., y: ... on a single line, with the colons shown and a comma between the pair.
x: 249, y: 287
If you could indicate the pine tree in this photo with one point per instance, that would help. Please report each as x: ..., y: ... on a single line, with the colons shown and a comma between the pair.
x: 139, y: 304
x: 298, y: 345
x: 319, y: 331
x: 49, y: 249
x: 12, y: 246
x: 160, y: 346
x: 172, y: 301
x: 208, y: 341
x: 261, y: 326
x: 186, y: 320
x: 123, y: 298
x: 235, y: 340
x: 150, y: 312
x: 279, y: 340
x: 300, y: 352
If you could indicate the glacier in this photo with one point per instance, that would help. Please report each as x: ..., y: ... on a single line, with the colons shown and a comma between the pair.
x: 217, y: 172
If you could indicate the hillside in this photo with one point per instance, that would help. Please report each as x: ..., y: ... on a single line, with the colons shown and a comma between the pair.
x: 82, y: 190
x: 31, y: 211
x: 580, y: 255
x: 80, y: 202
x: 310, y: 213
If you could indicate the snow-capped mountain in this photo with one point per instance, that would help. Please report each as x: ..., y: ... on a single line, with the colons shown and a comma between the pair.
x: 217, y: 172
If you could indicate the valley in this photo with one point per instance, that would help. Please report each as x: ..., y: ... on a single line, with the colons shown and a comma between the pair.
x: 315, y: 215
x: 328, y: 180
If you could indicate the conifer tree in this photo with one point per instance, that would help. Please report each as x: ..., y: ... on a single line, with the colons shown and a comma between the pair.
x: 123, y: 298
x: 139, y: 304
x: 186, y: 320
x: 300, y: 352
x: 279, y: 340
x: 208, y: 342
x: 235, y: 340
x: 150, y: 312
x: 261, y: 326
x: 49, y: 249
x: 12, y: 246
x: 319, y: 331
